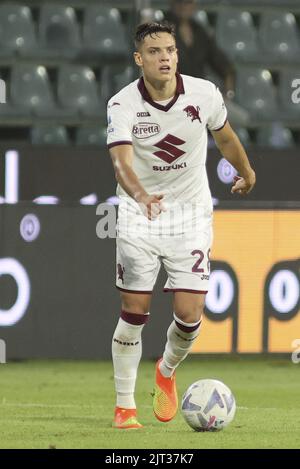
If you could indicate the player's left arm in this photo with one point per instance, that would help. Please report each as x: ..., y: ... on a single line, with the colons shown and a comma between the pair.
x: 231, y: 148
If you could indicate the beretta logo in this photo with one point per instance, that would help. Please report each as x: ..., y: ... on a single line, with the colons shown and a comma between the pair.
x: 145, y: 130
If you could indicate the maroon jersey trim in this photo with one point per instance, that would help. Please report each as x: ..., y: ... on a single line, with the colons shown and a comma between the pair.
x: 187, y: 328
x: 184, y: 290
x: 220, y: 128
x: 135, y: 319
x: 144, y: 92
x: 120, y: 142
x: 134, y: 291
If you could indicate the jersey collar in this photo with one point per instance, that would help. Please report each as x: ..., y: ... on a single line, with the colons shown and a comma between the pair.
x: 144, y: 92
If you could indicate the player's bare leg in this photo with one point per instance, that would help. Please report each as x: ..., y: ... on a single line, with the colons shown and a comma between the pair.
x: 126, y: 352
x: 182, y: 333
x: 136, y: 303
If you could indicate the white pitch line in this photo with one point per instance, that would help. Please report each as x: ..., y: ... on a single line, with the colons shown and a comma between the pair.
x: 31, y: 404
x: 257, y: 408
x: 146, y: 406
x: 77, y: 406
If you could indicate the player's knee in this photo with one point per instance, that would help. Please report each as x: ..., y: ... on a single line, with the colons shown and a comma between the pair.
x: 135, y: 305
x: 192, y: 313
x: 134, y: 309
x: 189, y: 308
x: 189, y: 317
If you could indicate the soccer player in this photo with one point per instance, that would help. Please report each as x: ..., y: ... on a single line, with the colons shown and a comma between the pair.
x: 157, y: 138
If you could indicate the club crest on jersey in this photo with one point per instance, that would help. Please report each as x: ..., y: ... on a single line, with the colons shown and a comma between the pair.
x: 145, y: 129
x: 193, y: 112
x: 120, y: 271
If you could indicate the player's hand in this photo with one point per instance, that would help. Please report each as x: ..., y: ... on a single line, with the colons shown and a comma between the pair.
x: 243, y: 186
x: 152, y: 206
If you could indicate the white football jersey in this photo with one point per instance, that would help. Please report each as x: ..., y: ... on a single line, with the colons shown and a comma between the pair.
x: 169, y: 145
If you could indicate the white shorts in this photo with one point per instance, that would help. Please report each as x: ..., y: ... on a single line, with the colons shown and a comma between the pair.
x: 185, y: 259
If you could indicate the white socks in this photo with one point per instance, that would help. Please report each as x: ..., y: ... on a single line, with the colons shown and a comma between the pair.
x: 126, y: 353
x: 181, y: 337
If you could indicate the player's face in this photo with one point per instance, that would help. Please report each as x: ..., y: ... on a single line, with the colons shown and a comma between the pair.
x: 158, y: 57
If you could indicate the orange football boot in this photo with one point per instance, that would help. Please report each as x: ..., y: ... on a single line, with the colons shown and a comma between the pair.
x: 165, y: 400
x: 125, y: 419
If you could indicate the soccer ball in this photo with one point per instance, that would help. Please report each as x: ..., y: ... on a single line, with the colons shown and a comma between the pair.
x: 208, y: 405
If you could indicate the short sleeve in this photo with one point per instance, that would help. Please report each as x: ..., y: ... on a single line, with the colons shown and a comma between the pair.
x: 119, y: 128
x: 218, y: 116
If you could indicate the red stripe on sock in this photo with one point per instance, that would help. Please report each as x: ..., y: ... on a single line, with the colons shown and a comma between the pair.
x: 135, y: 319
x: 187, y: 328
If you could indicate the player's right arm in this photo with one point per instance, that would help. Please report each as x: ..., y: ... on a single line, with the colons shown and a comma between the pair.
x: 122, y: 158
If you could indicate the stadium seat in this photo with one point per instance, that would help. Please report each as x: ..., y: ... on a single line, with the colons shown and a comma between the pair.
x: 236, y: 34
x: 50, y: 135
x: 158, y: 15
x: 256, y: 92
x: 289, y: 83
x: 7, y: 109
x: 275, y: 136
x: 59, y: 31
x: 17, y: 33
x: 77, y: 91
x: 103, y: 32
x: 279, y: 36
x: 151, y: 14
x: 91, y: 136
x: 114, y: 78
x: 31, y: 91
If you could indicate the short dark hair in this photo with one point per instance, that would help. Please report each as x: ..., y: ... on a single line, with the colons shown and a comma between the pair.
x: 148, y: 29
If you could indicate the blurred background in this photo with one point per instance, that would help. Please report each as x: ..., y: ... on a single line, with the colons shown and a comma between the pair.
x: 60, y: 62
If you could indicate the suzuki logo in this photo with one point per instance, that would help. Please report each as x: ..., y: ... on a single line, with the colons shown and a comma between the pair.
x: 168, y: 145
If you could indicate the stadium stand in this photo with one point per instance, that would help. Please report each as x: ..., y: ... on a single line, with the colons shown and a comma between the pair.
x: 31, y: 90
x: 58, y: 31
x: 279, y: 36
x: 255, y: 91
x: 104, y: 33
x: 236, y: 34
x: 77, y: 91
x: 17, y: 30
x: 244, y: 136
x: 91, y: 136
x: 202, y: 18
x: 114, y: 78
x: 49, y: 135
x: 276, y: 136
x: 289, y: 81
x: 63, y: 60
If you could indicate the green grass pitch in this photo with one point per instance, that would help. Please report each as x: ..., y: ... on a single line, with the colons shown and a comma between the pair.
x: 69, y: 404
